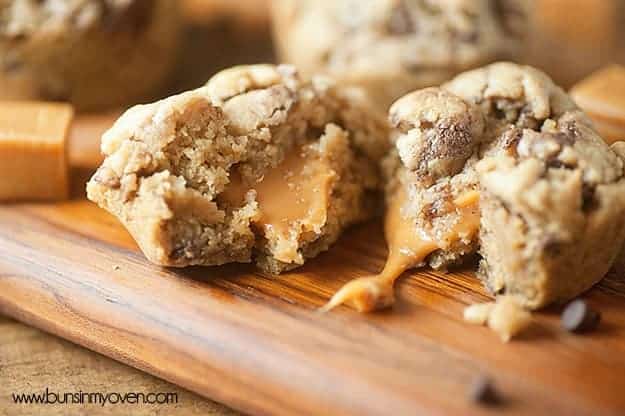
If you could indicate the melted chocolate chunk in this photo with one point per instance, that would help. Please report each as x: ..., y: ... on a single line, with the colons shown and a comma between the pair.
x: 455, y: 140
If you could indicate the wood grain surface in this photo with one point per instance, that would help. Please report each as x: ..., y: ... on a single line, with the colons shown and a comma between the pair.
x: 32, y: 361
x: 257, y: 343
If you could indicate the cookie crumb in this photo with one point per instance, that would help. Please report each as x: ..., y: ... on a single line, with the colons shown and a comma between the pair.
x: 579, y: 317
x: 483, y: 392
x: 478, y: 313
x: 506, y: 316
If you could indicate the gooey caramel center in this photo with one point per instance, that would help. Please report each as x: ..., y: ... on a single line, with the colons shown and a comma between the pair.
x: 408, y: 247
x: 293, y: 198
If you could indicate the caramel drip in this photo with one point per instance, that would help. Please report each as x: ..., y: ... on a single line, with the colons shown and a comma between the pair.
x: 408, y: 247
x: 292, y: 198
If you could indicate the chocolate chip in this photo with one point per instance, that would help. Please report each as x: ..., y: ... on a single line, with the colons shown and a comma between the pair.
x: 589, y: 198
x: 579, y: 317
x: 553, y: 247
x: 483, y: 392
x: 500, y: 114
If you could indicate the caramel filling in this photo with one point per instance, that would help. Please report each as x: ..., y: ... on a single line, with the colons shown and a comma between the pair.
x: 408, y: 247
x: 292, y: 198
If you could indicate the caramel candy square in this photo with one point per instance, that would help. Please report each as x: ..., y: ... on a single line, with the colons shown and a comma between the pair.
x: 602, y: 97
x: 33, y: 162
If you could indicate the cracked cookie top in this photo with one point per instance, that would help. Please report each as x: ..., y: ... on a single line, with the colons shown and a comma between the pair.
x: 511, y: 94
x: 541, y: 155
x: 511, y: 130
x: 528, y: 116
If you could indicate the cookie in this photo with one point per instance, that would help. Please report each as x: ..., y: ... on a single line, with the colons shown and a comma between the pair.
x: 92, y: 53
x: 551, y: 189
x: 391, y: 47
x: 500, y: 161
x: 258, y: 165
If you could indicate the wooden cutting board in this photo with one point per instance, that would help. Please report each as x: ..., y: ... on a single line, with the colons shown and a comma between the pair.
x: 258, y: 344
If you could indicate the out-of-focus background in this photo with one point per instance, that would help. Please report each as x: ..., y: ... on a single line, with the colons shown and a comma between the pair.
x: 568, y: 39
x: 181, y: 49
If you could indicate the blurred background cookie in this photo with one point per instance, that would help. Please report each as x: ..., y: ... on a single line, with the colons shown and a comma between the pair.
x: 92, y: 53
x: 392, y: 47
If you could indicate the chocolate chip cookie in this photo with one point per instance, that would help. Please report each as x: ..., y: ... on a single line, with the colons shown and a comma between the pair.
x: 392, y: 47
x: 257, y: 165
x: 91, y: 53
x: 500, y: 161
x: 552, y: 191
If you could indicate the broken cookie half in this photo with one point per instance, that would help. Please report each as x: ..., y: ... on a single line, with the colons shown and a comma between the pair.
x: 256, y: 165
x: 501, y: 161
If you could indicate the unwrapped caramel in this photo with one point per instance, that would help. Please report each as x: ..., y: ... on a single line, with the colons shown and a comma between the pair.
x: 602, y: 97
x: 33, y: 162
